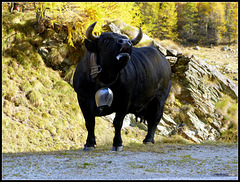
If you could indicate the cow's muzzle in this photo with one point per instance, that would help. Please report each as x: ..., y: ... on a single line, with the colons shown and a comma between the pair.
x: 125, y: 50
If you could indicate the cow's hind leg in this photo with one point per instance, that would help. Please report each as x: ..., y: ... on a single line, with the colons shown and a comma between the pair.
x: 153, y: 116
x: 155, y: 112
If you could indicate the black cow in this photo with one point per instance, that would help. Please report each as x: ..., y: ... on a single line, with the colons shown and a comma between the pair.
x: 140, y: 79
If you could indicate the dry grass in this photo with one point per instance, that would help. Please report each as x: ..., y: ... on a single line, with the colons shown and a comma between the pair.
x: 169, y: 44
x: 229, y: 109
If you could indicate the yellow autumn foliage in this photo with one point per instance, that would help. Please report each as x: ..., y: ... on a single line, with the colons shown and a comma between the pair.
x: 78, y: 16
x: 198, y: 22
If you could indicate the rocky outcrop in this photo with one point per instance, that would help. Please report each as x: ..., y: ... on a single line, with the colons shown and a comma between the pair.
x: 59, y: 55
x: 191, y: 106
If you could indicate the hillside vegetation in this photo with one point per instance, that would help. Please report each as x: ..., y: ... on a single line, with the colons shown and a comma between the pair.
x: 40, y: 111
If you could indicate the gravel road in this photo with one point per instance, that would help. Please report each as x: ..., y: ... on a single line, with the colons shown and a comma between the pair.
x: 171, y: 162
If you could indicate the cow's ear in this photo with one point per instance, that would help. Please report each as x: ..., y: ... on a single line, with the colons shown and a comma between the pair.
x: 90, y: 45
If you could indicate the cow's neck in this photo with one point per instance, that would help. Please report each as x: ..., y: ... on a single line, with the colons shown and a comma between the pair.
x: 107, y: 78
x: 104, y: 77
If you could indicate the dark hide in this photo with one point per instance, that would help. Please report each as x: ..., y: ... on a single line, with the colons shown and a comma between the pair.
x: 140, y: 83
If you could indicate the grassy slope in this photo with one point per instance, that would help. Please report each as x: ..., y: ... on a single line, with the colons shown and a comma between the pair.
x: 40, y: 110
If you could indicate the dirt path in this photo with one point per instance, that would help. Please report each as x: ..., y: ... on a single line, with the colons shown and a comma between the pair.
x: 171, y: 162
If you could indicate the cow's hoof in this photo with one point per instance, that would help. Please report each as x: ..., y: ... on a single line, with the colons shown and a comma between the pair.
x: 119, y: 148
x: 148, y: 143
x: 88, y: 148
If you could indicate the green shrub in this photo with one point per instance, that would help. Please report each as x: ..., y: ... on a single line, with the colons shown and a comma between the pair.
x: 223, y: 104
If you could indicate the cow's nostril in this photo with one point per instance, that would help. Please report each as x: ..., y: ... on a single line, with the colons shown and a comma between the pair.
x: 120, y: 41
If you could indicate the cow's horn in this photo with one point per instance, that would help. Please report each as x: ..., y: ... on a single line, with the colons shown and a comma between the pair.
x: 89, y: 34
x: 138, y: 38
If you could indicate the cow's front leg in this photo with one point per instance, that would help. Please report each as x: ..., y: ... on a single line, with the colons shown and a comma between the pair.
x: 90, y: 125
x: 117, y: 141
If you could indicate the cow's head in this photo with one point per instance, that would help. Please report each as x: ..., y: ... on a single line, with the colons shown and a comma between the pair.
x: 113, y: 50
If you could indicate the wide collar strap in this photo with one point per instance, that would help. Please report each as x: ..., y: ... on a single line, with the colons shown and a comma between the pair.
x: 95, y: 69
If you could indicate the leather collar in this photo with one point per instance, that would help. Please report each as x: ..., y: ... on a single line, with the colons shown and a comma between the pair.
x: 95, y: 69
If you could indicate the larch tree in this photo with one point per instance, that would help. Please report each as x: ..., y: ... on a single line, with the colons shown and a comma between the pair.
x: 231, y: 16
x: 188, y: 21
x: 218, y: 22
x: 167, y: 20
